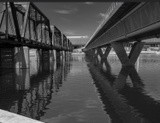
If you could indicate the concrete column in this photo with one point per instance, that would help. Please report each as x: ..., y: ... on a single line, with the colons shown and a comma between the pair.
x: 21, y: 57
x: 126, y: 71
x: 62, y: 55
x: 39, y: 54
x: 122, y: 55
x: 45, y: 59
x: 135, y: 51
x: 93, y: 54
x: 58, y: 56
x: 7, y: 58
x: 108, y: 49
x: 54, y: 53
x: 100, y: 55
x: 45, y: 55
x: 105, y: 54
x: 99, y: 52
x: 104, y: 63
x: 39, y: 58
x: 22, y: 79
x: 67, y: 55
x: 34, y: 61
x: 51, y: 55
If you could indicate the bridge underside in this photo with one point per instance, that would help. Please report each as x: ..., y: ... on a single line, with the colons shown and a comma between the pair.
x: 137, y: 22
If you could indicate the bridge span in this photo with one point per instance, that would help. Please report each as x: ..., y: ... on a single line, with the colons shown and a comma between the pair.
x: 23, y: 27
x: 125, y: 22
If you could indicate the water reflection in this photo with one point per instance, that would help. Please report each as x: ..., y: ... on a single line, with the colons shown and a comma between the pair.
x: 124, y: 102
x: 29, y: 91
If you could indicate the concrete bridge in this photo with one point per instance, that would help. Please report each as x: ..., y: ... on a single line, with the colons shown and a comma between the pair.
x: 126, y: 22
x: 23, y: 27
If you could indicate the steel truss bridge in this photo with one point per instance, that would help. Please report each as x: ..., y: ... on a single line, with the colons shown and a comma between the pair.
x: 23, y: 24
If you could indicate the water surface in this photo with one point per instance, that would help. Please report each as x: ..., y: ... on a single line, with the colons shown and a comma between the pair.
x: 81, y: 89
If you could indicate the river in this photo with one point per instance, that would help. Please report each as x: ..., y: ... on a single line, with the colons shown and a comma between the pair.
x: 78, y: 90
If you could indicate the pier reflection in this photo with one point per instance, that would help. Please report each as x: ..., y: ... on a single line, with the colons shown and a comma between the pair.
x: 29, y: 91
x: 125, y: 100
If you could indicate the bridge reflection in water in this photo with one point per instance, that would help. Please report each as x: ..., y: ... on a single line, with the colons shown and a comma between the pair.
x: 125, y: 102
x: 29, y: 91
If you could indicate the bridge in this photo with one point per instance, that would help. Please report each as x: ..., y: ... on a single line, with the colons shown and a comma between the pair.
x: 23, y: 27
x: 127, y: 22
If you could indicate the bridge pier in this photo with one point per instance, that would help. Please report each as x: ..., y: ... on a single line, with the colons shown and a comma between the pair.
x: 100, y: 54
x: 22, y: 79
x: 58, y: 55
x: 51, y: 55
x: 54, y: 53
x: 103, y: 54
x: 21, y: 57
x: 128, y: 60
x: 67, y: 53
x: 64, y: 55
x: 52, y: 59
x: 45, y: 56
x: 7, y: 57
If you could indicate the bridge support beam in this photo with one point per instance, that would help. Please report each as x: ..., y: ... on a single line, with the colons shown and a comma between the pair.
x: 21, y: 57
x: 58, y: 56
x: 130, y: 59
x: 103, y: 55
x: 68, y: 55
x: 64, y: 55
x: 51, y: 55
x: 22, y: 79
x: 54, y: 53
x: 45, y: 56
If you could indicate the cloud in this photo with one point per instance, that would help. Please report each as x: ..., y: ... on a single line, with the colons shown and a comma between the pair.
x: 66, y: 11
x: 89, y: 3
x: 103, y: 15
x: 78, y: 37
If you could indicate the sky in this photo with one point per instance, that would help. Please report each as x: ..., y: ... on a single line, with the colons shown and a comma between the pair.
x: 77, y: 20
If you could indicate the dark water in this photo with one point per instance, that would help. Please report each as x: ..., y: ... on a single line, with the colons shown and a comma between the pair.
x: 82, y: 90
